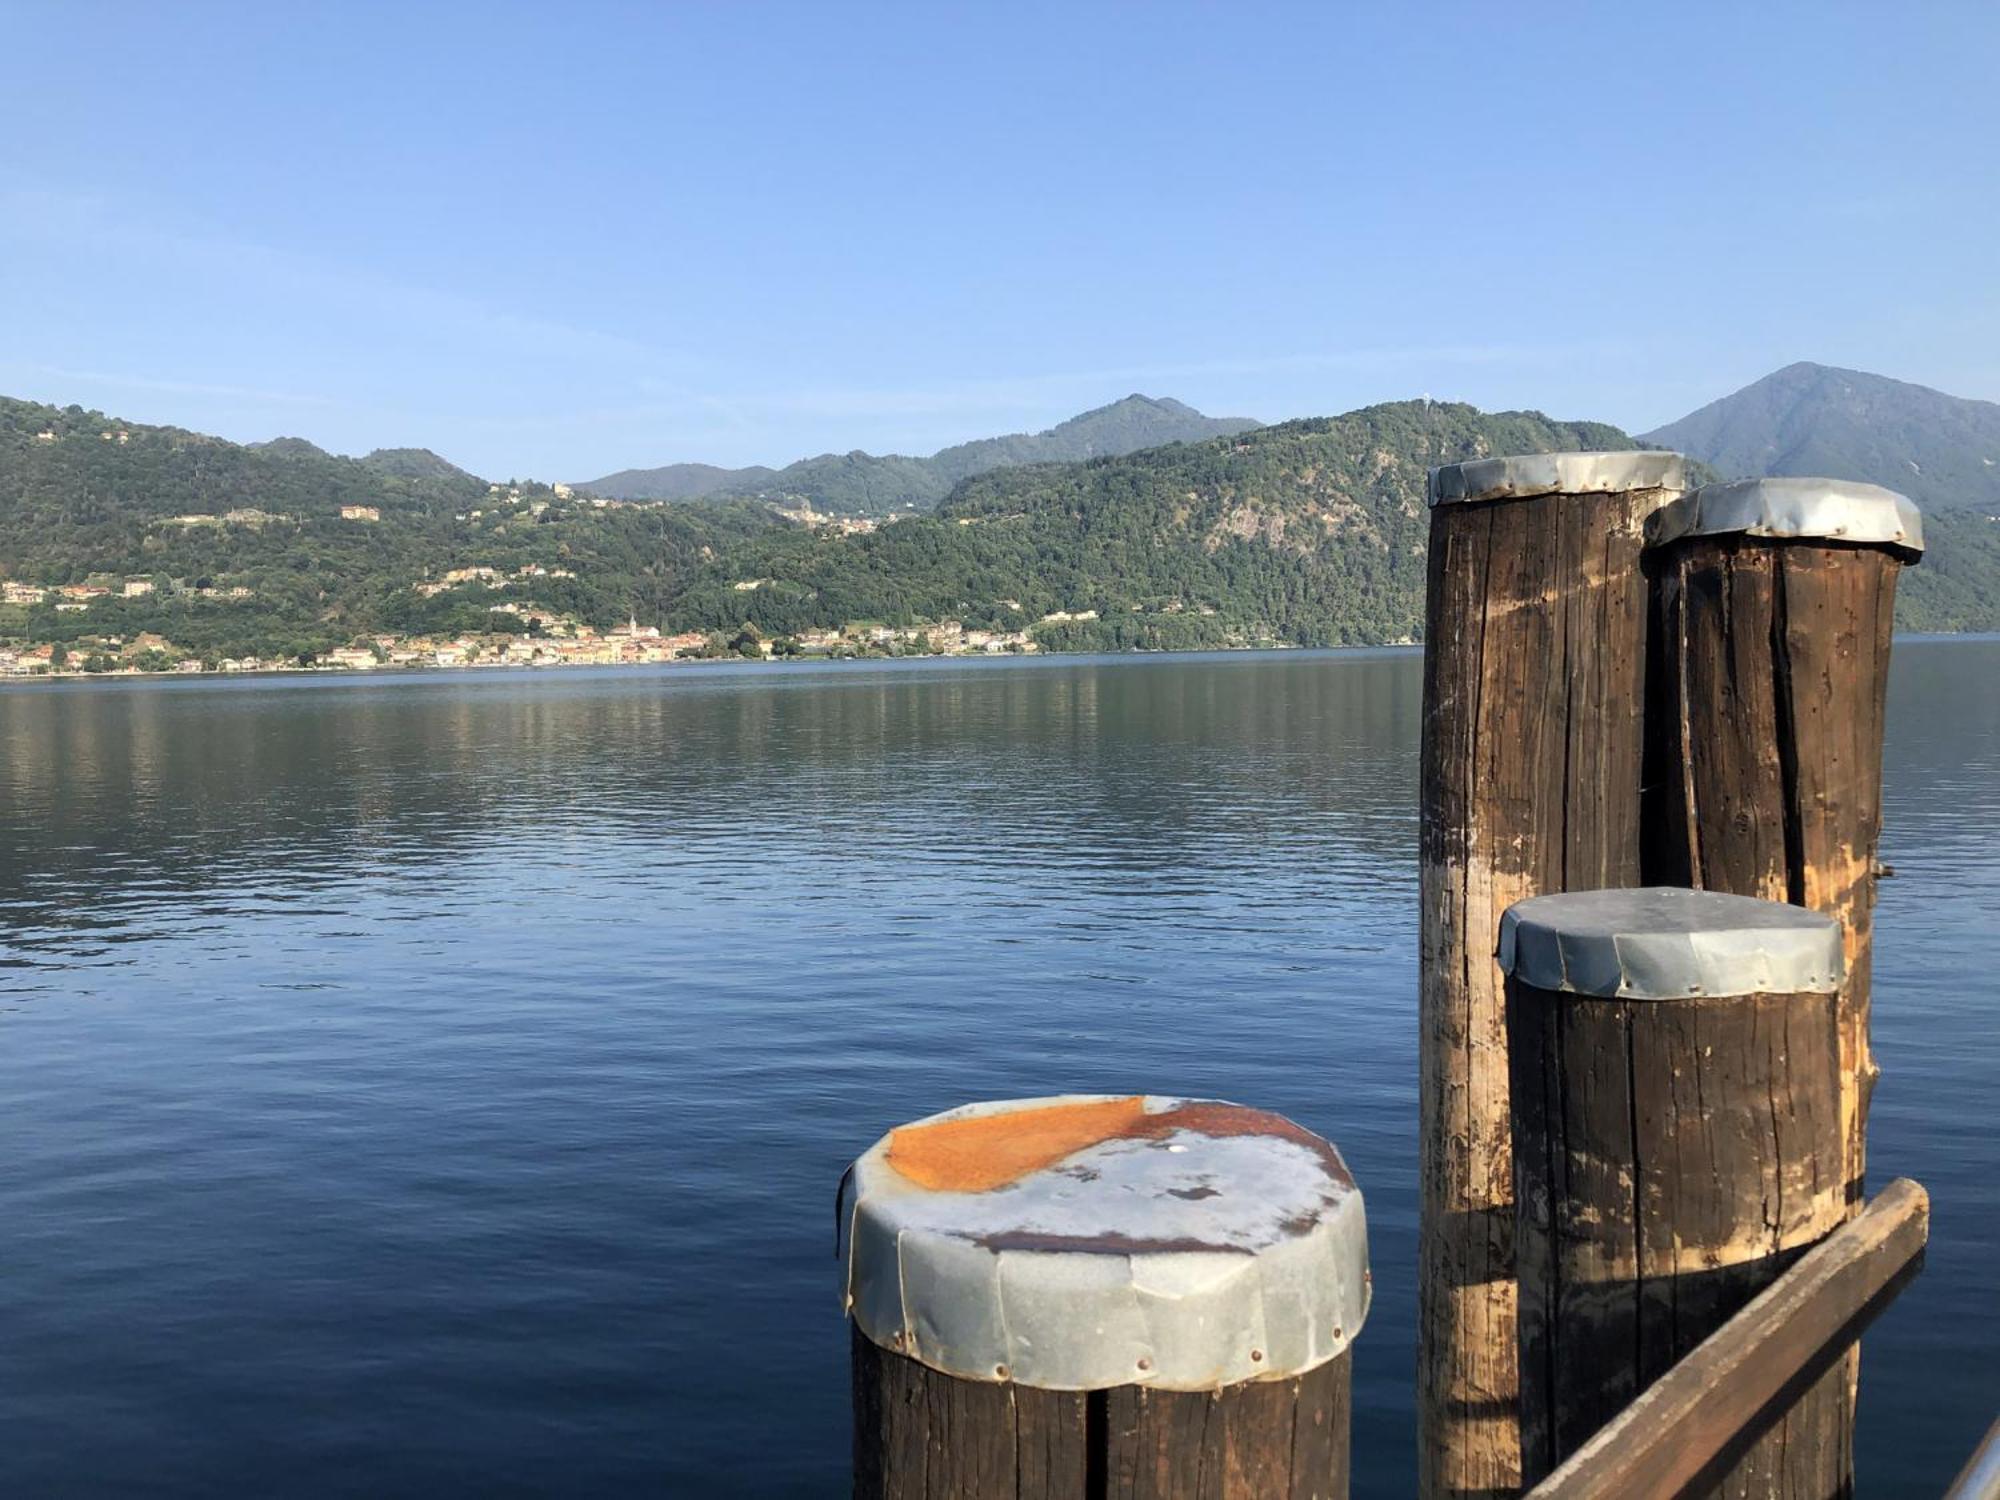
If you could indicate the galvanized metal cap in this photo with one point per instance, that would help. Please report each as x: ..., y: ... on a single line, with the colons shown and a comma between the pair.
x: 1664, y: 943
x: 1089, y: 1241
x: 1528, y: 474
x: 1820, y: 510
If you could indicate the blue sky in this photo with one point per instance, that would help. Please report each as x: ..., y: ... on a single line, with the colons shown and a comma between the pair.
x: 558, y: 240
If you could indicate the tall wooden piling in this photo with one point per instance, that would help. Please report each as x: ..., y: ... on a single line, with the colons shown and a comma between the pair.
x: 1677, y: 1143
x: 1534, y: 670
x: 1774, y: 604
x: 1090, y: 1297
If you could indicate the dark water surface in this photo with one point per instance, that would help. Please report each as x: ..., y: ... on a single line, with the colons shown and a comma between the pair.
x: 439, y: 1086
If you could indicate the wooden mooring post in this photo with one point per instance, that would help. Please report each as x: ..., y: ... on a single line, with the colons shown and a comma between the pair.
x: 1089, y: 1296
x: 1677, y: 1145
x: 1774, y: 606
x: 1534, y: 673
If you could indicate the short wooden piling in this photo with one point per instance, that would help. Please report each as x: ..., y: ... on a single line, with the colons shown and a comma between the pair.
x: 1094, y: 1296
x: 1774, y: 603
x: 1534, y: 670
x: 1677, y: 1144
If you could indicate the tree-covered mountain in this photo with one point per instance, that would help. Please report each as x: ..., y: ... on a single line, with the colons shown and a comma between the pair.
x: 868, y: 484
x: 278, y: 548
x: 1308, y: 532
x: 290, y: 447
x: 413, y: 463
x: 1942, y: 451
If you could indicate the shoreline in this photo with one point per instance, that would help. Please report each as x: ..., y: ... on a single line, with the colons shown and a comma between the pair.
x: 408, y: 671
x: 414, y: 671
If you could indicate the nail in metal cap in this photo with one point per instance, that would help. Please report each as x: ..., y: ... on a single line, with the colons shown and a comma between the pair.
x: 1529, y: 474
x: 1089, y: 1241
x: 1663, y: 943
x: 1818, y: 510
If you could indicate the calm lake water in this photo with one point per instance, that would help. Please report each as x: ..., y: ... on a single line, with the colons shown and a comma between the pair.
x: 439, y: 1085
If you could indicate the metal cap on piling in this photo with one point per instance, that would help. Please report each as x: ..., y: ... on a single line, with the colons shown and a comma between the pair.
x: 1527, y: 474
x: 1083, y: 1242
x: 1665, y: 943
x: 1800, y: 510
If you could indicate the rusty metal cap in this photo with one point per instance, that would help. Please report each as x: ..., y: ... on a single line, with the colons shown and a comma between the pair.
x: 1528, y: 474
x: 1087, y: 1241
x: 1664, y: 943
x: 1816, y: 510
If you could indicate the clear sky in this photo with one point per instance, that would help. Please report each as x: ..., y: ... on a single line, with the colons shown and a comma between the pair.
x: 556, y: 240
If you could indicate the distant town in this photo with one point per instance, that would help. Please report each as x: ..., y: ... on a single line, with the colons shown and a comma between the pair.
x: 539, y: 636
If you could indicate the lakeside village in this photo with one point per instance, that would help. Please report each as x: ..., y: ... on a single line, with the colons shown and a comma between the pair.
x: 536, y: 636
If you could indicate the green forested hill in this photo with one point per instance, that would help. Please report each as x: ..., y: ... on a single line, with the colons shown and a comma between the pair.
x: 85, y: 498
x: 1309, y: 532
x: 1957, y: 586
x: 413, y: 463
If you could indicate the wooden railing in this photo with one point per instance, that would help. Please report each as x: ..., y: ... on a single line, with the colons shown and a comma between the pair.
x: 1687, y: 1429
x: 1980, y: 1478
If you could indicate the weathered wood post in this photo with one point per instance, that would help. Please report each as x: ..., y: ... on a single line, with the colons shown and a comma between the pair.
x: 1774, y: 602
x: 1091, y: 1296
x: 1534, y: 672
x: 1677, y: 1141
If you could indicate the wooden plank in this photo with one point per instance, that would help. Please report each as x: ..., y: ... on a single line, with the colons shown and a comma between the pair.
x: 1980, y: 1478
x: 1682, y: 1434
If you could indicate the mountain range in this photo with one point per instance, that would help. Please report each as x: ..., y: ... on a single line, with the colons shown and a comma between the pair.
x: 868, y: 484
x: 1306, y: 532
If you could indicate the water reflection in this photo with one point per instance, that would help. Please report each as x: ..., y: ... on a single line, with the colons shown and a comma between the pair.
x: 144, y: 797
x: 439, y: 1084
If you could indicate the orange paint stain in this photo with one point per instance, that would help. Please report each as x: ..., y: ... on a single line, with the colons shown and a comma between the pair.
x: 984, y: 1152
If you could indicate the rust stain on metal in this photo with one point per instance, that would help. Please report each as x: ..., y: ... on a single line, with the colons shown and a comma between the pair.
x: 982, y: 1152
x: 1110, y: 1242
x: 989, y: 1152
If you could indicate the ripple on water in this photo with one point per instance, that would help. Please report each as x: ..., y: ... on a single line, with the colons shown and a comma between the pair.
x: 441, y: 1084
